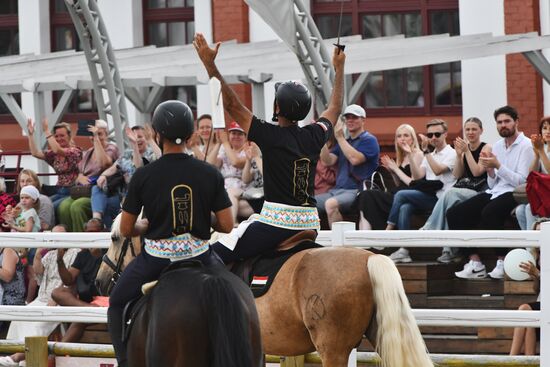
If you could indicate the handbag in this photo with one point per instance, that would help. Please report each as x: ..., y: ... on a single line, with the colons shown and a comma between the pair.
x: 373, y: 185
x: 80, y: 191
x: 520, y: 194
x: 538, y: 193
x: 471, y: 183
x: 426, y: 186
x: 115, y: 183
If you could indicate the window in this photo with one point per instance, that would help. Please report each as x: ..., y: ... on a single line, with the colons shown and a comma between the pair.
x: 171, y: 23
x: 64, y: 37
x: 418, y: 90
x: 9, y: 44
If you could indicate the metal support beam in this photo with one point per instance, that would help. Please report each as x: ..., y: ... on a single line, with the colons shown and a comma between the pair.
x: 539, y: 62
x: 134, y: 96
x: 15, y: 109
x: 358, y: 87
x: 62, y: 107
x: 153, y: 98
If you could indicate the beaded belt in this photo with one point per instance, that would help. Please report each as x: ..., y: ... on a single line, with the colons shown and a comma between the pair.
x: 290, y: 217
x: 179, y: 247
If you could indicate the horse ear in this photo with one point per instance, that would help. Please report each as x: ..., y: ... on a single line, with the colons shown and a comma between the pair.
x: 115, y: 238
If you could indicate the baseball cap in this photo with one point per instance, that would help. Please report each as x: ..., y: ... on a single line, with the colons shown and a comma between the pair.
x: 234, y: 126
x: 355, y: 110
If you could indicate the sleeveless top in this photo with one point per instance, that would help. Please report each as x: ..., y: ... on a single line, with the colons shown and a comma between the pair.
x: 14, y: 291
x: 475, y: 153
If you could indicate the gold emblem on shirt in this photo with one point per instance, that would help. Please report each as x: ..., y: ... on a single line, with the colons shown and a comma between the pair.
x: 182, y: 209
x: 301, y: 180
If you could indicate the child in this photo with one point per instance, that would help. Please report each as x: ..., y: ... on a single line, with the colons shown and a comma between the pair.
x: 27, y: 220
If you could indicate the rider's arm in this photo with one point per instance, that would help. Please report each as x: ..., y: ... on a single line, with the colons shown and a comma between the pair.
x: 130, y: 227
x: 224, y: 220
x: 336, y: 99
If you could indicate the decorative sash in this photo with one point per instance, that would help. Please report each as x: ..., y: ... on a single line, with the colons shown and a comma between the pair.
x: 289, y: 217
x: 179, y: 247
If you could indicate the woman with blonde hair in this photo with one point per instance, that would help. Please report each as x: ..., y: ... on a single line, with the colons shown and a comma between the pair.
x: 375, y: 205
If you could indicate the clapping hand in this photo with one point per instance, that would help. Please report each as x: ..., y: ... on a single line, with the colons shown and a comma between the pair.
x: 538, y: 143
x: 251, y: 150
x: 388, y: 163
x: 424, y: 141
x: 461, y: 146
x: 488, y: 160
x: 339, y: 129
x: 131, y: 134
x: 221, y: 135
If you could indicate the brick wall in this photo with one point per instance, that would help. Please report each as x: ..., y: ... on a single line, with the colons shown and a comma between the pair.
x: 523, y: 82
x: 230, y: 21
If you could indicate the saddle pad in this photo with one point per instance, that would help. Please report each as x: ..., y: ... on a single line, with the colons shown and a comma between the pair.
x: 266, y: 266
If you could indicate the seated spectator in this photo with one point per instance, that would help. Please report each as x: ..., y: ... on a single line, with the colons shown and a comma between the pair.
x: 12, y: 278
x: 507, y: 167
x: 106, y: 204
x: 357, y: 158
x: 62, y: 155
x: 229, y: 156
x: 6, y: 200
x: 45, y: 269
x: 541, y: 163
x: 432, y: 178
x: 525, y: 339
x: 203, y: 139
x: 375, y: 205
x: 46, y: 211
x: 325, y: 176
x: 78, y: 287
x: 252, y: 198
x: 74, y: 212
x: 471, y: 179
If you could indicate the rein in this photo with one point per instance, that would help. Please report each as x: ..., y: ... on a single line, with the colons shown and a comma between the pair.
x: 117, y: 268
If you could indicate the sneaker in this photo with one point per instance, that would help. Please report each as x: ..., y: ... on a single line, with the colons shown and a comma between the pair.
x: 472, y: 270
x: 448, y: 256
x: 498, y: 271
x: 8, y: 361
x: 401, y: 256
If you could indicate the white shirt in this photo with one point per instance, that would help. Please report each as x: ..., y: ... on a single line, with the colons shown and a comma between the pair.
x: 514, y: 165
x: 447, y: 156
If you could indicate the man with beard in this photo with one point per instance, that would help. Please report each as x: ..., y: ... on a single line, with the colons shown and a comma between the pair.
x: 507, y: 167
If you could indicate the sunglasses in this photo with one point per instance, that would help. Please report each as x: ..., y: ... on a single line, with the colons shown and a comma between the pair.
x: 431, y: 135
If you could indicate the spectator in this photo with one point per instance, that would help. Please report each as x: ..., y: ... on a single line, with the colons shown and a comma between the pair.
x: 12, y: 278
x: 357, y: 158
x: 525, y: 339
x: 78, y: 280
x: 541, y: 163
x: 229, y: 156
x: 45, y: 268
x: 507, y: 167
x: 46, y: 211
x: 203, y: 139
x: 325, y: 176
x: 432, y: 178
x: 253, y: 194
x: 75, y: 212
x: 6, y: 201
x: 62, y: 155
x: 375, y: 205
x: 105, y: 204
x: 471, y: 179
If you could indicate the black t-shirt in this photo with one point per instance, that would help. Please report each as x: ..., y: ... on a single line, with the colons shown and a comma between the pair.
x: 177, y: 193
x: 290, y: 155
x: 88, y: 265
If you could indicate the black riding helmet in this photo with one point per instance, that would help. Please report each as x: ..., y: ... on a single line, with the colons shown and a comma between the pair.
x: 174, y: 121
x: 293, y: 99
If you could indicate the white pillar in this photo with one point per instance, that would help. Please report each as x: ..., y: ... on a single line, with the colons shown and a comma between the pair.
x: 483, y: 80
x: 544, y: 6
x: 544, y: 293
x: 203, y: 24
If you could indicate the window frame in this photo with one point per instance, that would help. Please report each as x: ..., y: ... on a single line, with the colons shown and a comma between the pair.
x: 358, y: 8
x: 10, y: 22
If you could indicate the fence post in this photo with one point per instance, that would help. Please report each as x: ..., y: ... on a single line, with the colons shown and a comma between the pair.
x: 36, y: 351
x: 297, y: 361
x: 544, y: 293
x: 338, y: 230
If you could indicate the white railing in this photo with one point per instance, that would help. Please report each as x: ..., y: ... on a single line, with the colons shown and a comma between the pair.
x: 343, y: 234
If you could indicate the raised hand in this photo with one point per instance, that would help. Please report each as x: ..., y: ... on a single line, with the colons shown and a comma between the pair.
x: 30, y: 127
x: 424, y: 141
x: 93, y: 129
x: 460, y: 145
x: 206, y: 54
x: 405, y: 147
x: 131, y: 134
x: 45, y: 127
x: 222, y: 136
x: 149, y: 133
x: 339, y: 129
x: 338, y: 58
x: 538, y: 143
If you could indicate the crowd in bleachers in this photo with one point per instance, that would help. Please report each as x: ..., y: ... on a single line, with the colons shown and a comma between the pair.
x: 464, y: 184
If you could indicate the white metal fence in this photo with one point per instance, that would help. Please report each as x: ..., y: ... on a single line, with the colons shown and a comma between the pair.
x: 343, y: 234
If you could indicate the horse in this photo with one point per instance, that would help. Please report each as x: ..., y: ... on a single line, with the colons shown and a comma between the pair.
x: 327, y: 299
x: 195, y: 316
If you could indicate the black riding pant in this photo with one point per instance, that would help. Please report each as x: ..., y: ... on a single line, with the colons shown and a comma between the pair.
x: 145, y: 268
x: 480, y: 212
x: 258, y: 238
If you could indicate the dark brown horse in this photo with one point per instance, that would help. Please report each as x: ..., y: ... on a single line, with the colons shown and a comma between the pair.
x: 195, y: 316
x: 326, y: 299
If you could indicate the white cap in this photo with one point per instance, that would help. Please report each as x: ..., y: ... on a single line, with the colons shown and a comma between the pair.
x: 31, y: 191
x: 356, y: 110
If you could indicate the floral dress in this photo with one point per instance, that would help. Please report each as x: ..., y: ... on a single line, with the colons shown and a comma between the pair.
x: 14, y: 291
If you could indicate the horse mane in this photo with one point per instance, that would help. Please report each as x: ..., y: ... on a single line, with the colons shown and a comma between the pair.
x: 115, y: 227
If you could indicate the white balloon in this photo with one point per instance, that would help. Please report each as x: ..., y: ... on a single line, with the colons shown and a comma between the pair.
x: 512, y: 261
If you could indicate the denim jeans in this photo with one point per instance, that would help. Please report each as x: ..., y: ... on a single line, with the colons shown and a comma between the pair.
x: 525, y: 217
x: 62, y: 193
x: 406, y: 203
x: 108, y: 206
x: 450, y: 198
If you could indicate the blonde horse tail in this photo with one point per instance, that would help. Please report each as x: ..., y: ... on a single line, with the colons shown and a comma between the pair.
x: 398, y: 339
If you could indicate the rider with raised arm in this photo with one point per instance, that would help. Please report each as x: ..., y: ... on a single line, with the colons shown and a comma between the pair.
x: 177, y: 194
x: 290, y: 154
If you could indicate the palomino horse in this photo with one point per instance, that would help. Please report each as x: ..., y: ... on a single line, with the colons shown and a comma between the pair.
x: 195, y: 316
x: 326, y: 299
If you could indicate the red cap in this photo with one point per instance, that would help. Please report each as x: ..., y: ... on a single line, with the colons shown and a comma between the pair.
x: 234, y: 126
